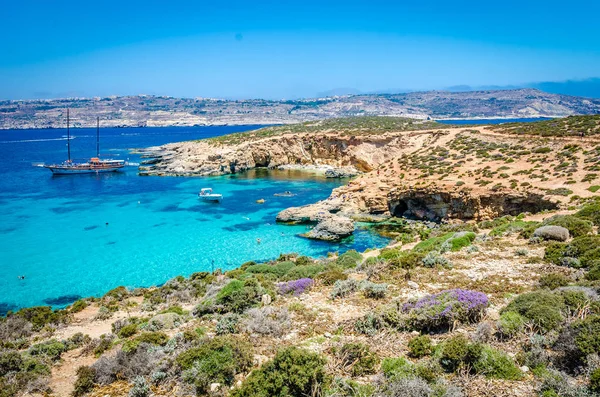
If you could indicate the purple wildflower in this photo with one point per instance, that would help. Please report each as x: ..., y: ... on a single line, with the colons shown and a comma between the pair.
x: 445, y: 308
x: 295, y: 287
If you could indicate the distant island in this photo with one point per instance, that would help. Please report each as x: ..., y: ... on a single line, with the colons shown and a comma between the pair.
x: 162, y: 111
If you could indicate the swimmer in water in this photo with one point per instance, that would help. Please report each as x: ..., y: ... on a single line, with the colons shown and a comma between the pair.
x: 257, y: 241
x: 246, y: 218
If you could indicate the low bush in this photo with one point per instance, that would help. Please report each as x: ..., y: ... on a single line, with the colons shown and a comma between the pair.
x: 308, y: 271
x: 10, y: 361
x: 151, y: 338
x: 397, y: 368
x: 510, y: 323
x: 140, y: 388
x: 228, y: 324
x: 349, y: 259
x: 457, y: 352
x: 369, y: 324
x: 215, y: 361
x: 543, y: 308
x: 580, y: 339
x: 51, y: 349
x: 496, y: 364
x: 329, y: 277
x: 408, y: 259
x: 293, y: 372
x: 40, y: 316
x: 590, y: 212
x: 373, y: 290
x: 420, y: 346
x: 78, y: 306
x: 295, y: 287
x: 359, y: 358
x: 577, y: 227
x: 595, y: 380
x: 594, y: 273
x: 236, y: 297
x: 444, y: 309
x: 343, y: 288
x: 128, y: 330
x: 84, y: 382
x: 554, y: 280
x: 268, y: 320
x: 434, y: 258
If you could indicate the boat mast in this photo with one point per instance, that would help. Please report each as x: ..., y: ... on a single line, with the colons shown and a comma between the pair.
x: 98, y: 137
x: 68, y: 137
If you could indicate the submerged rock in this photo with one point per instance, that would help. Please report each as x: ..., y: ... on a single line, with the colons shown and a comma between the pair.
x: 341, y: 172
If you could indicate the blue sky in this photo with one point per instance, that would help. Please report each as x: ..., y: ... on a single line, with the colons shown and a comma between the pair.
x: 283, y: 49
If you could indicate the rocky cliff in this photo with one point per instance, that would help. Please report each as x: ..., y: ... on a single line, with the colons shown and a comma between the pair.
x: 435, y: 174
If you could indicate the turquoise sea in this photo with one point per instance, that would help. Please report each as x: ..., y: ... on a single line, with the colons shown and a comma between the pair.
x: 82, y: 235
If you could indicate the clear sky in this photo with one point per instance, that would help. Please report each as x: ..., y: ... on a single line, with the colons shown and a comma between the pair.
x: 287, y: 49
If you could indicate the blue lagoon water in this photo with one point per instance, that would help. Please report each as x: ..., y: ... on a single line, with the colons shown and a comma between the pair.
x: 82, y: 235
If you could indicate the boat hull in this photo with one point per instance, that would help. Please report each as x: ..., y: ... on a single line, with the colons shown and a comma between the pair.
x: 79, y: 171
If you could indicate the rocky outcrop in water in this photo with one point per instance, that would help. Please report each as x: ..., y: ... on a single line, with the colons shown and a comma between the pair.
x: 331, y: 228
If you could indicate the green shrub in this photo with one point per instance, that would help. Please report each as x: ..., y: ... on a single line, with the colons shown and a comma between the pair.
x: 152, y: 338
x: 128, y: 330
x: 542, y: 308
x: 397, y: 368
x: 293, y: 372
x: 51, y: 349
x: 78, y: 306
x: 595, y: 380
x: 118, y: 293
x: 594, y: 273
x: 349, y: 259
x: 40, y: 316
x: 461, y: 240
x: 361, y: 359
x: 510, y: 323
x: 238, y: 295
x: 329, y: 277
x: 590, y: 257
x: 85, y: 381
x: 279, y: 269
x: 304, y: 261
x: 174, y: 309
x: 590, y: 212
x: 458, y: 352
x: 586, y: 336
x: 433, y: 243
x: 496, y: 364
x: 10, y: 361
x: 554, y: 252
x: 420, y: 346
x: 513, y: 227
x: 306, y: 271
x: 554, y: 280
x: 577, y: 227
x: 215, y: 361
x: 408, y: 259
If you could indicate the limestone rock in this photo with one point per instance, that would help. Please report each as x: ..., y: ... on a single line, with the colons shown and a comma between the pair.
x: 345, y: 172
x: 413, y: 285
x: 331, y: 228
x: 265, y: 300
x: 557, y: 233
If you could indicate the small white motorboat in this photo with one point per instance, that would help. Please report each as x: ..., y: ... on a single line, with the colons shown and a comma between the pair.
x: 207, y: 194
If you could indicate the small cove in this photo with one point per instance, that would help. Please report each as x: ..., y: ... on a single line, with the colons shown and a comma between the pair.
x: 79, y: 236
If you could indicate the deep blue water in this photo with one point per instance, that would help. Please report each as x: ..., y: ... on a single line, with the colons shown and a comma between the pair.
x: 78, y: 236
x: 492, y: 121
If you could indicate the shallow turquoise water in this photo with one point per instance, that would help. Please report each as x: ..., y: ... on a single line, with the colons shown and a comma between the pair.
x: 77, y: 236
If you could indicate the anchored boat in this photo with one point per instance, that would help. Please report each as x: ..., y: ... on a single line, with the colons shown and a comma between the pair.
x: 94, y: 166
x: 207, y: 194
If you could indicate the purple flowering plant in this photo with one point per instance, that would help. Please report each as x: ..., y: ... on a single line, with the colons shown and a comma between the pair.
x: 295, y: 287
x: 445, y: 309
